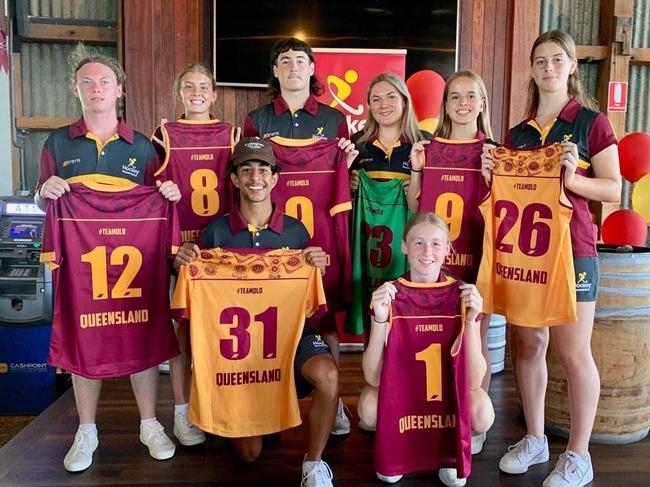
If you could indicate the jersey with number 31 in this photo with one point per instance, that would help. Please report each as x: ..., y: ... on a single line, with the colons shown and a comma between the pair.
x: 246, y: 314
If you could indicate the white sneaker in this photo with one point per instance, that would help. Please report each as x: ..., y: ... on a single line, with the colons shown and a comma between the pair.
x: 152, y: 434
x: 341, y: 424
x: 449, y: 477
x: 571, y: 470
x: 389, y: 479
x: 80, y: 455
x: 186, y: 433
x: 526, y: 452
x: 316, y: 474
x: 477, y: 443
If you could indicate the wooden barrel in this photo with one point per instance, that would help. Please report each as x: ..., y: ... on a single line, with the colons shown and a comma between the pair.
x: 496, y: 343
x: 621, y: 349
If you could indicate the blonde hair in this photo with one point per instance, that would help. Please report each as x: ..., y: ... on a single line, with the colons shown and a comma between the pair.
x: 409, y: 124
x: 574, y: 87
x: 193, y: 68
x: 426, y: 217
x: 444, y: 121
x: 82, y: 55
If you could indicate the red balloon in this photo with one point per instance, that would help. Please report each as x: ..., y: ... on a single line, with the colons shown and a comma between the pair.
x: 625, y: 227
x: 426, y: 88
x: 634, y: 156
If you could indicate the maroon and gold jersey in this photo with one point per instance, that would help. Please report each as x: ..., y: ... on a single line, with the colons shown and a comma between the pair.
x: 314, y: 188
x: 246, y: 315
x: 424, y: 414
x: 197, y: 157
x: 109, y: 248
x: 452, y: 187
x: 527, y: 269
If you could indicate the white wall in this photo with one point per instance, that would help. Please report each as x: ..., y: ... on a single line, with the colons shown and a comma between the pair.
x: 6, y: 178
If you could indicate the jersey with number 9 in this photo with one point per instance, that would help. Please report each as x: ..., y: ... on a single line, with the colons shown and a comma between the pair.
x: 452, y: 187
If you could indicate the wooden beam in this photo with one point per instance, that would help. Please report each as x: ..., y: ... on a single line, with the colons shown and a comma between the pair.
x: 525, y: 29
x: 591, y: 53
x: 70, y: 33
x: 42, y: 123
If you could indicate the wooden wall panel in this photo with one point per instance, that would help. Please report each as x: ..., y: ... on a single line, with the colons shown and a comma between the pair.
x: 160, y: 37
x: 495, y: 38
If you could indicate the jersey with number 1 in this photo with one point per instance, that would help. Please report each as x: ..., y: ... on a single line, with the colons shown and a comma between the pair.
x: 452, y: 187
x: 424, y: 414
x: 246, y: 315
x: 197, y: 158
x: 314, y: 188
x: 527, y: 269
x: 109, y: 246
x: 379, y: 216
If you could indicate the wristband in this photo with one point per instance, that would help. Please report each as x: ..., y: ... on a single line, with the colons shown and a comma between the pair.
x: 380, y: 322
x: 416, y: 170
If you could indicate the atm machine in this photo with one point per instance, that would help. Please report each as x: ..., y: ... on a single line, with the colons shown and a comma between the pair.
x: 27, y: 383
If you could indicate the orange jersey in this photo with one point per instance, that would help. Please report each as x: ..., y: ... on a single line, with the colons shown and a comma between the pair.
x: 526, y: 272
x: 246, y: 314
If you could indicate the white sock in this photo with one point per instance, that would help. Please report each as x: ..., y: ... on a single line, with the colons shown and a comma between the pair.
x: 88, y: 428
x: 308, y: 466
x: 181, y: 408
x: 147, y: 421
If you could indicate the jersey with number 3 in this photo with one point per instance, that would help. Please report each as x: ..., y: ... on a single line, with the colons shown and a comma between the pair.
x: 380, y: 215
x: 197, y: 157
x: 314, y: 188
x: 452, y: 187
x: 246, y: 314
x: 527, y: 269
x: 423, y: 414
x: 109, y: 247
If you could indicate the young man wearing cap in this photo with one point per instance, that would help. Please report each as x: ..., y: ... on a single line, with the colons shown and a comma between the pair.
x: 256, y: 223
x: 295, y: 113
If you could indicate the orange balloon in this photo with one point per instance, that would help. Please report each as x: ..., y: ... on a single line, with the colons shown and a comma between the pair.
x: 426, y: 88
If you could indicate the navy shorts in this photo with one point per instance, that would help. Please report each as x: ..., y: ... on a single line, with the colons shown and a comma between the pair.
x: 311, y: 344
x: 587, y: 276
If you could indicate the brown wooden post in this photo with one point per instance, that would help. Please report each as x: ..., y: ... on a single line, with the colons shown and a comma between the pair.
x: 616, y: 35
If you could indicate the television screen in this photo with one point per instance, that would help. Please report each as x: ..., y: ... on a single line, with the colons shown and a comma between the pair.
x: 245, y: 32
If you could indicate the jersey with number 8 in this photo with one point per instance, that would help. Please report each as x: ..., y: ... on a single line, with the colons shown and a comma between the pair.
x: 423, y: 416
x: 110, y: 253
x: 527, y: 269
x: 452, y: 187
x: 196, y: 156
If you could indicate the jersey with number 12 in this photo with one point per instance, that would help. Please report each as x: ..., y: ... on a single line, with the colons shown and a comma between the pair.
x: 109, y: 246
x: 314, y: 188
x: 197, y: 157
x: 423, y: 415
x: 246, y: 315
x: 527, y: 272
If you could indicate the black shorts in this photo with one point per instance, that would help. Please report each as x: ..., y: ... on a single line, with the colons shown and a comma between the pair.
x: 587, y: 276
x: 310, y: 345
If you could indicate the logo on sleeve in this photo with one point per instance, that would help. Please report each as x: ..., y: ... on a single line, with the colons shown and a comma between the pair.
x: 70, y: 162
x: 130, y: 169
